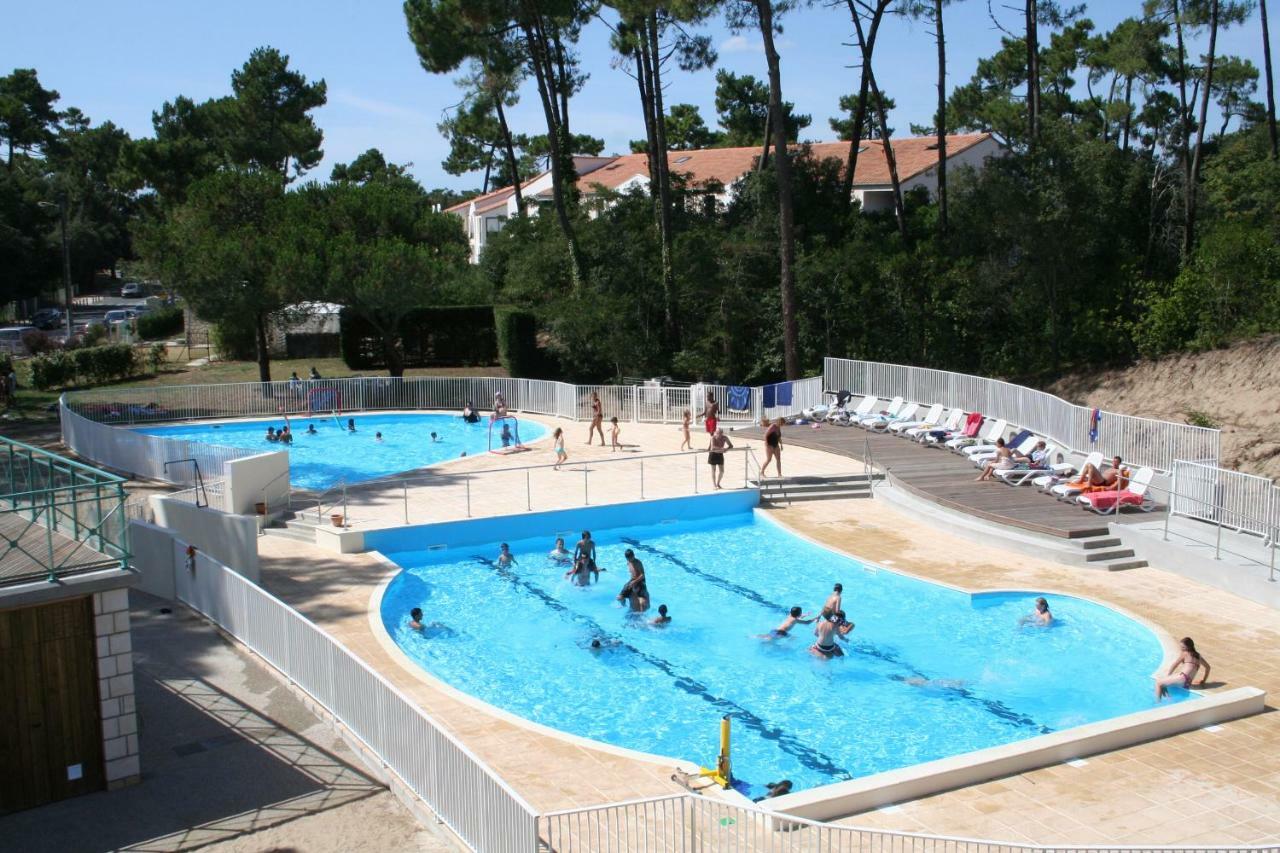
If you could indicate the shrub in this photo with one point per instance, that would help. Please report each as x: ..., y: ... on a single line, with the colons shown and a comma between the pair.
x: 235, y: 341
x: 160, y: 324
x: 6, y: 363
x: 52, y: 370
x: 156, y: 356
x: 517, y: 341
x: 94, y: 335
x: 37, y: 342
x: 1195, y: 417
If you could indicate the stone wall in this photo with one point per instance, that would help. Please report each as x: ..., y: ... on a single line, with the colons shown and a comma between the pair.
x: 115, y: 687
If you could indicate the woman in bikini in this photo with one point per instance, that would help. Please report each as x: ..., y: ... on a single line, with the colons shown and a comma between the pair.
x: 597, y: 419
x: 1184, y: 669
x: 772, y: 445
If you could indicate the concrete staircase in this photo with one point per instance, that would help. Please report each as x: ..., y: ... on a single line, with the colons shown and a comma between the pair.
x: 1107, y: 553
x: 782, y: 491
x: 289, y: 525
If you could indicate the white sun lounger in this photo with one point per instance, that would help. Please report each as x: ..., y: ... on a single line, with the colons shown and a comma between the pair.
x: 1064, y: 469
x: 930, y: 417
x: 864, y: 408
x: 907, y: 414
x: 989, y: 436
x: 988, y: 453
x: 1020, y: 476
x: 895, y: 405
x: 1111, y: 502
x: 1067, y: 491
x: 951, y: 424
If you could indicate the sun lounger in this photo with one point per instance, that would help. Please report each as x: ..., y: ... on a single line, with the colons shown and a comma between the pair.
x: 989, y: 436
x: 1111, y: 501
x: 951, y: 424
x: 933, y: 416
x: 1021, y: 447
x: 971, y: 426
x: 1069, y: 490
x: 1062, y: 470
x: 1013, y: 443
x: 1024, y: 473
x: 895, y: 405
x: 907, y: 414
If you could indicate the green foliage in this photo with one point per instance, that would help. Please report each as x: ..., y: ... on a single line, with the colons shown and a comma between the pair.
x: 87, y: 365
x: 162, y: 323
x: 156, y: 356
x: 234, y: 339
x: 742, y: 103
x: 6, y: 364
x: 1195, y: 417
x: 517, y: 332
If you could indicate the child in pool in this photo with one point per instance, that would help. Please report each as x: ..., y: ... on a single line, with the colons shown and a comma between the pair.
x: 504, y: 556
x: 559, y: 554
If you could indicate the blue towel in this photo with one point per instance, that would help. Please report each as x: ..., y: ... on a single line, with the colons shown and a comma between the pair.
x: 739, y: 398
x: 770, y: 395
x: 784, y: 393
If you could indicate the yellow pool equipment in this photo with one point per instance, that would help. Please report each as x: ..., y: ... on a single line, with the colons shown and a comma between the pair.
x: 722, y: 775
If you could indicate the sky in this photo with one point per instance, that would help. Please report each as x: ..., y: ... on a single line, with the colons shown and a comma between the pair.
x: 121, y: 61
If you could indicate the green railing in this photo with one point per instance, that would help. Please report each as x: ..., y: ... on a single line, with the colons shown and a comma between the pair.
x: 57, y: 517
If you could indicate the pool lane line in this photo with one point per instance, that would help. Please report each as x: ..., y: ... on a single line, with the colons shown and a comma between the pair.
x: 993, y: 706
x: 806, y: 755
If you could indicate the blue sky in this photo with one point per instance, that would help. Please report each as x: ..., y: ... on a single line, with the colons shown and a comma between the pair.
x: 121, y: 61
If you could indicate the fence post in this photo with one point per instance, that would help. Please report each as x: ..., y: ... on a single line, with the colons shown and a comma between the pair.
x: 1173, y: 493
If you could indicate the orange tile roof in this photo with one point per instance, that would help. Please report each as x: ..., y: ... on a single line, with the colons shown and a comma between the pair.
x: 914, y: 155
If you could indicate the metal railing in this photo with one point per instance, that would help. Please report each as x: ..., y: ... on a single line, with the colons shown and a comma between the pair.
x: 687, y: 823
x: 57, y: 517
x: 444, y: 494
x: 463, y: 791
x: 1243, y: 503
x: 1141, y: 441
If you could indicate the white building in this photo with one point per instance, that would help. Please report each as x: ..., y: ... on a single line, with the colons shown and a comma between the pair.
x: 720, y: 169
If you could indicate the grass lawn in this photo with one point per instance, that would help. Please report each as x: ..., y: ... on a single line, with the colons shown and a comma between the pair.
x: 34, y: 405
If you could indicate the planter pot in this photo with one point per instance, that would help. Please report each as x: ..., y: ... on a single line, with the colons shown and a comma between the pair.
x: 260, y: 508
x: 336, y: 518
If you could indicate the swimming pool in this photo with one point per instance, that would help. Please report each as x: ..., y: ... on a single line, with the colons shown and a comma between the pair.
x: 929, y: 671
x: 333, y: 454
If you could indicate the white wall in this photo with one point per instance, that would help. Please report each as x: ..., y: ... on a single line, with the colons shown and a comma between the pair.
x: 230, y: 539
x: 262, y: 478
x: 152, y: 549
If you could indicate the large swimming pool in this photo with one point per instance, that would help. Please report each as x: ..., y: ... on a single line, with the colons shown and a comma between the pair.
x: 334, y: 454
x: 929, y: 672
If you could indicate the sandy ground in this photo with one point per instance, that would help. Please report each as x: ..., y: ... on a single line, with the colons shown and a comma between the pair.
x: 1237, y: 387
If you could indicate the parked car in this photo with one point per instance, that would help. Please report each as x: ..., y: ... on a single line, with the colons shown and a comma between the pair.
x: 119, y: 315
x: 47, y: 318
x: 132, y: 290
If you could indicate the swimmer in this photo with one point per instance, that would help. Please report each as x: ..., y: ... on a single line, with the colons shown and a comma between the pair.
x: 776, y: 789
x: 1183, y: 670
x: 835, y: 600
x: 662, y: 618
x: 434, y: 438
x: 636, y: 590
x: 351, y: 424
x: 507, y: 437
x: 795, y: 617
x: 1040, y: 616
x: 559, y: 554
x: 377, y: 436
x: 415, y: 618
x: 271, y: 434
x: 311, y: 429
x: 843, y: 625
x: 587, y: 548
x: 285, y: 435
x: 469, y: 413
x: 504, y: 556
x: 825, y: 647
x: 580, y: 571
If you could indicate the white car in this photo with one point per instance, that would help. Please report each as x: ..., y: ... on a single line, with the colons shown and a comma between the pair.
x: 119, y: 315
x: 131, y: 290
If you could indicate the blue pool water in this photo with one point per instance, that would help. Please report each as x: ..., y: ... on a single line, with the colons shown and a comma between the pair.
x: 929, y: 672
x: 333, y: 454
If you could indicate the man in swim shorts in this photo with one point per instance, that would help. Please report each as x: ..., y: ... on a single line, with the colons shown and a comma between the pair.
x: 825, y: 631
x: 711, y: 413
x: 796, y: 616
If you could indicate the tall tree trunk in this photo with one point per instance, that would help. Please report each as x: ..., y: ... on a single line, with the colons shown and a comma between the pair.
x: 1271, y: 91
x: 391, y: 351
x: 866, y: 49
x: 664, y: 188
x: 1033, y: 72
x: 1188, y: 236
x: 942, y: 118
x: 510, y: 148
x: 764, y: 149
x: 488, y: 168
x: 786, y: 204
x: 882, y: 117
x: 263, y: 347
x: 560, y: 176
x: 1128, y: 111
x: 1184, y: 124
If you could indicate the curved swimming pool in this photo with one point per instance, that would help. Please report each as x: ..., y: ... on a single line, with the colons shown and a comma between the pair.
x: 929, y: 671
x: 334, y: 454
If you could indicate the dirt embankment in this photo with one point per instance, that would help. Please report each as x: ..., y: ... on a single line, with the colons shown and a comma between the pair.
x: 1237, y: 388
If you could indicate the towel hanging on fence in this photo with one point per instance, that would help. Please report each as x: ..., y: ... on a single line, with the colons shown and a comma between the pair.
x: 784, y: 393
x: 770, y: 395
x: 1095, y: 424
x: 739, y: 398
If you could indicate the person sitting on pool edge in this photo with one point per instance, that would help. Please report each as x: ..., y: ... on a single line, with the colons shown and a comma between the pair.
x: 504, y: 556
x: 1040, y: 616
x: 795, y: 617
x: 311, y: 429
x: 415, y: 618
x: 559, y: 554
x: 662, y: 618
x: 825, y: 631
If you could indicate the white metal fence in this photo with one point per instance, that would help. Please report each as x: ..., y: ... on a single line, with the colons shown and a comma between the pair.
x: 1237, y: 501
x: 686, y: 823
x: 461, y: 789
x: 1140, y: 441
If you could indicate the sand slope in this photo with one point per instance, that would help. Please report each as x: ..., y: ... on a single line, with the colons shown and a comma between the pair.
x: 1238, y: 387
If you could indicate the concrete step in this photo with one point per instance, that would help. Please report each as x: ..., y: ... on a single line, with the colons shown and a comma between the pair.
x: 814, y: 496
x: 1104, y: 556
x: 291, y: 533
x: 1121, y: 565
x: 1099, y: 542
x: 799, y: 488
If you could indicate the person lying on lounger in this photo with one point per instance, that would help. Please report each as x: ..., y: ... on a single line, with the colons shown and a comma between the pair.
x: 1091, y: 476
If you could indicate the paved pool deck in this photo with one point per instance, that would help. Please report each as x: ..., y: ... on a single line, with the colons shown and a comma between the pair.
x: 1204, y: 787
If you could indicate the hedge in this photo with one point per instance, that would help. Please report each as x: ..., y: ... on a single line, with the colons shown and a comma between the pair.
x: 163, y: 323
x: 518, y: 341
x: 431, y: 337
x: 86, y: 365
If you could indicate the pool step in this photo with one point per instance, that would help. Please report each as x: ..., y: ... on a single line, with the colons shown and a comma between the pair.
x: 815, y: 488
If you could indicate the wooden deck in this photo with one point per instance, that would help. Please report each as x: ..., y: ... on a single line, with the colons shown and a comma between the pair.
x: 28, y: 551
x: 947, y: 479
